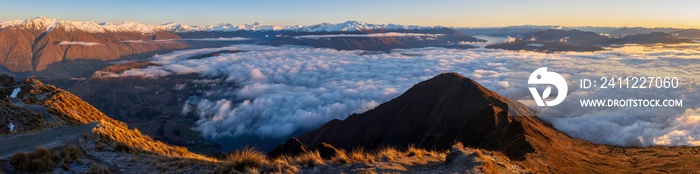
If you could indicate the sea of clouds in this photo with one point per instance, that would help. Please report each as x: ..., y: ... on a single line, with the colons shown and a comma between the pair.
x: 288, y: 89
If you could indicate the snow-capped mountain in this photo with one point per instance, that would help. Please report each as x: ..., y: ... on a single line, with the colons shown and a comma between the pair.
x: 357, y: 26
x: 48, y: 24
x: 32, y: 45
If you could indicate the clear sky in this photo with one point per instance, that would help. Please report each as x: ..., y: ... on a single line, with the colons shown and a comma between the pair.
x: 458, y: 13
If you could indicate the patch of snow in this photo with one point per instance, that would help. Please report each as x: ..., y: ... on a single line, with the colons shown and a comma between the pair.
x: 534, y: 45
x: 79, y: 43
x: 14, y: 92
x: 41, y: 23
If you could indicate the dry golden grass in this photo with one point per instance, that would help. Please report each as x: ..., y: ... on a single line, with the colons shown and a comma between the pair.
x: 247, y: 159
x: 359, y: 155
x: 488, y: 166
x: 389, y: 154
x: 133, y: 141
x: 283, y: 166
x: 309, y: 159
x: 413, y: 151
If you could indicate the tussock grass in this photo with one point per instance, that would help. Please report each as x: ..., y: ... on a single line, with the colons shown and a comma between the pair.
x: 488, y: 167
x: 359, y: 155
x: 66, y: 155
x: 246, y: 160
x: 413, y: 151
x: 308, y: 159
x: 44, y: 160
x: 36, y: 162
x: 389, y: 153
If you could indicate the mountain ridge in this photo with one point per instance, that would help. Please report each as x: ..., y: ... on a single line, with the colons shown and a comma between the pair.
x: 89, y: 26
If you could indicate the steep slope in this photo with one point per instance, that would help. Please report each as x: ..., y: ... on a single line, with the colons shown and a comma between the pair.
x: 33, y: 44
x: 60, y: 119
x: 450, y: 108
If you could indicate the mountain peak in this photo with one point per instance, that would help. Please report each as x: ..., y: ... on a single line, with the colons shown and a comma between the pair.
x: 452, y: 75
x: 353, y: 22
x: 433, y: 114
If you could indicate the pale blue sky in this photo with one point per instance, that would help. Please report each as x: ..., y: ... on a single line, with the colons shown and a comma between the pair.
x: 648, y: 13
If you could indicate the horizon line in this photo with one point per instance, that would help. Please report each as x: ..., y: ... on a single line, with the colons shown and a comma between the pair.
x: 474, y: 27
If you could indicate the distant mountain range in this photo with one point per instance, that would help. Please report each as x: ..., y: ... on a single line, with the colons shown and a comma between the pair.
x: 94, y: 27
x: 524, y: 30
x: 555, y: 40
x: 33, y: 45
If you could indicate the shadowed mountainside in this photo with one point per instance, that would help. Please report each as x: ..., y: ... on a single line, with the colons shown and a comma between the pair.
x: 450, y: 108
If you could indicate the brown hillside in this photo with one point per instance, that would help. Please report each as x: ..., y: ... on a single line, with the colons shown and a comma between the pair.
x: 28, y: 48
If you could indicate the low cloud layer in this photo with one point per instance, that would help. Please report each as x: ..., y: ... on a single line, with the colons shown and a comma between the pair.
x: 190, y: 39
x: 78, y: 43
x: 389, y: 34
x: 286, y: 90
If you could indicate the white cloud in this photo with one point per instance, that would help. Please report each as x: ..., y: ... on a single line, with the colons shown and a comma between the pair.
x: 389, y: 34
x: 192, y: 39
x: 79, y: 43
x: 289, y: 89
